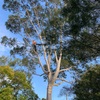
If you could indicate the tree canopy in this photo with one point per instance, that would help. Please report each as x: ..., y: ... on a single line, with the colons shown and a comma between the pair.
x: 14, y: 85
x: 87, y: 87
x: 83, y: 26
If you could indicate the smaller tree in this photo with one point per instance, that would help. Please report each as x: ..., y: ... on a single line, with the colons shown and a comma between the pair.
x: 6, y: 93
x: 14, y: 85
x: 88, y: 87
x: 65, y: 91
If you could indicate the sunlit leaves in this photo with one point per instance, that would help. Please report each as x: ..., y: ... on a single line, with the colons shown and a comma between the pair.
x: 20, y: 80
x: 14, y: 84
x: 6, y: 94
x: 6, y: 71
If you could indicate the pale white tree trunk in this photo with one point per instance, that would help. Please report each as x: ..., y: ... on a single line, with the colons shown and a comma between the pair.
x: 49, y: 91
x: 52, y: 79
x: 52, y: 76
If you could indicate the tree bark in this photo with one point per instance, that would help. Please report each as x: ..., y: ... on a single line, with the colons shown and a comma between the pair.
x: 49, y: 92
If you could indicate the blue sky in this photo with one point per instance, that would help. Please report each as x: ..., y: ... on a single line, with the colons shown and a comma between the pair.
x: 38, y: 82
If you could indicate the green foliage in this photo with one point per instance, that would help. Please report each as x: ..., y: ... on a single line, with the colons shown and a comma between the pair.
x: 18, y: 63
x: 65, y: 91
x: 20, y: 80
x: 6, y: 71
x: 75, y: 21
x: 21, y: 97
x: 14, y: 23
x: 87, y: 87
x: 83, y: 27
x: 14, y: 84
x: 80, y: 14
x: 8, y: 61
x: 6, y: 94
x: 33, y: 18
x: 78, y: 26
x: 43, y: 99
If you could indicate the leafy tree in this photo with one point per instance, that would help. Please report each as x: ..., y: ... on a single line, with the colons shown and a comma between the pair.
x: 42, y: 29
x: 43, y: 99
x: 66, y: 91
x: 10, y: 61
x: 14, y: 85
x: 83, y: 25
x: 5, y: 90
x: 87, y: 87
x: 6, y: 93
x: 18, y: 64
x: 37, y: 20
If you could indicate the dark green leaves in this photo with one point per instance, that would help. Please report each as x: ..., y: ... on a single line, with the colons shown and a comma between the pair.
x: 11, y: 5
x: 8, y: 41
x: 82, y: 28
x: 13, y: 24
x: 80, y: 15
x: 88, y: 86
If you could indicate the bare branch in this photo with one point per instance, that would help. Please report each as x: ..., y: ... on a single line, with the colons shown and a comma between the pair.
x: 38, y: 59
x: 39, y: 74
x: 49, y: 60
x: 45, y: 55
x: 41, y: 63
x: 56, y: 56
x: 57, y: 69
x: 62, y: 70
x: 62, y: 79
x: 59, y: 83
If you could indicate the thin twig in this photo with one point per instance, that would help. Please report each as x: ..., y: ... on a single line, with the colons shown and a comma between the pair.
x: 59, y: 83
x: 62, y: 79
x: 39, y: 74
